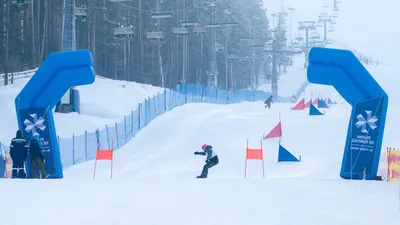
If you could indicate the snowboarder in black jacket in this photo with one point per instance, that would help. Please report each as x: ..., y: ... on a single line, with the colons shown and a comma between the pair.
x: 37, y: 158
x: 211, y: 160
x: 18, y: 153
x: 268, y: 102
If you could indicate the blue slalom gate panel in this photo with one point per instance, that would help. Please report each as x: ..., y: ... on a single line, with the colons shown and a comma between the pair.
x: 285, y: 156
x: 314, y: 111
x: 343, y: 70
x: 34, y: 104
x: 322, y: 104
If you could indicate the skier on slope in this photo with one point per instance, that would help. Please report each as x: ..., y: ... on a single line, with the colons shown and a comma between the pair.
x: 268, y: 102
x: 212, y: 159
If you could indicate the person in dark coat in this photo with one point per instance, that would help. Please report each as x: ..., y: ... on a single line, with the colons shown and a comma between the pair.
x: 212, y: 159
x: 18, y: 153
x: 37, y: 158
x: 268, y: 102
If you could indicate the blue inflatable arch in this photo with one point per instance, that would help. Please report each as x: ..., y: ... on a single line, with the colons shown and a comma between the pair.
x: 343, y: 70
x: 34, y: 104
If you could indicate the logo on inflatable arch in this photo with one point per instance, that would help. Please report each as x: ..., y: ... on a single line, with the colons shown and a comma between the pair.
x: 370, y: 121
x: 343, y: 70
x: 34, y: 104
x: 32, y: 126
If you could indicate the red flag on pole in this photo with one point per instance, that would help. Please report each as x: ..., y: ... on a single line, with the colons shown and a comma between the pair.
x: 299, y: 106
x: 275, y: 133
x: 307, y: 105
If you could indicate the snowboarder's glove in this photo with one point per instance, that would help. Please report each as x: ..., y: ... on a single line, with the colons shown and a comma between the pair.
x: 196, y: 153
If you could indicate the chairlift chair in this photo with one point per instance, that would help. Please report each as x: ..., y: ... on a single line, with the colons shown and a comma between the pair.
x: 198, y: 30
x: 156, y: 37
x: 81, y: 12
x: 181, y: 31
x: 123, y: 32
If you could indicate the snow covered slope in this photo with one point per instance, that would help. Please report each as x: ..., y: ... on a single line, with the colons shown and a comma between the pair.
x: 154, y: 181
x: 104, y: 102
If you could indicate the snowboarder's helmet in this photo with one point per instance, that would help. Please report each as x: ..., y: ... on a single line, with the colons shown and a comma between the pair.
x: 204, y: 147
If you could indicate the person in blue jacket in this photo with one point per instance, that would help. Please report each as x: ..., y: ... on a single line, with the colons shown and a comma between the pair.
x: 18, y: 153
x: 211, y: 160
x: 37, y: 158
x: 2, y: 165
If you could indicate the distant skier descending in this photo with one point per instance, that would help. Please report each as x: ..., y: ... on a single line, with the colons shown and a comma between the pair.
x: 268, y: 102
x: 212, y: 159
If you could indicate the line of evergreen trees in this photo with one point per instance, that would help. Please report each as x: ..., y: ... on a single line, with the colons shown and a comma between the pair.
x: 34, y: 33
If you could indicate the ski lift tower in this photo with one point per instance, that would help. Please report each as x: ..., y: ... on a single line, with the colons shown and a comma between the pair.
x: 157, y: 38
x: 232, y: 58
x: 68, y: 43
x: 335, y: 5
x: 185, y: 48
x: 124, y: 32
x: 324, y: 20
x: 307, y: 26
x: 213, y: 73
x: 227, y: 25
x: 183, y: 32
x: 70, y: 13
x: 291, y: 22
x: 249, y: 40
x: 273, y: 48
x: 200, y: 31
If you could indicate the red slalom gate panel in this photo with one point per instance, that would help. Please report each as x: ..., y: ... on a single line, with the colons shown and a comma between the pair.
x: 275, y: 132
x: 254, y: 154
x: 301, y: 105
x: 104, y: 155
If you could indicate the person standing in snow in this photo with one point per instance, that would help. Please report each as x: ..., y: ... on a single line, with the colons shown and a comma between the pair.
x: 37, y: 158
x: 18, y: 153
x: 211, y: 160
x: 268, y: 102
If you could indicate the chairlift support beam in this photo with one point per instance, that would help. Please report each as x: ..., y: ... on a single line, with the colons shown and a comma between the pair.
x: 189, y: 23
x: 257, y: 46
x: 230, y: 24
x: 161, y: 15
x: 216, y: 25
x: 246, y: 38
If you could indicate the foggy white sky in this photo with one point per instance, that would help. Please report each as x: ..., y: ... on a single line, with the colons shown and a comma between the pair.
x: 371, y: 27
